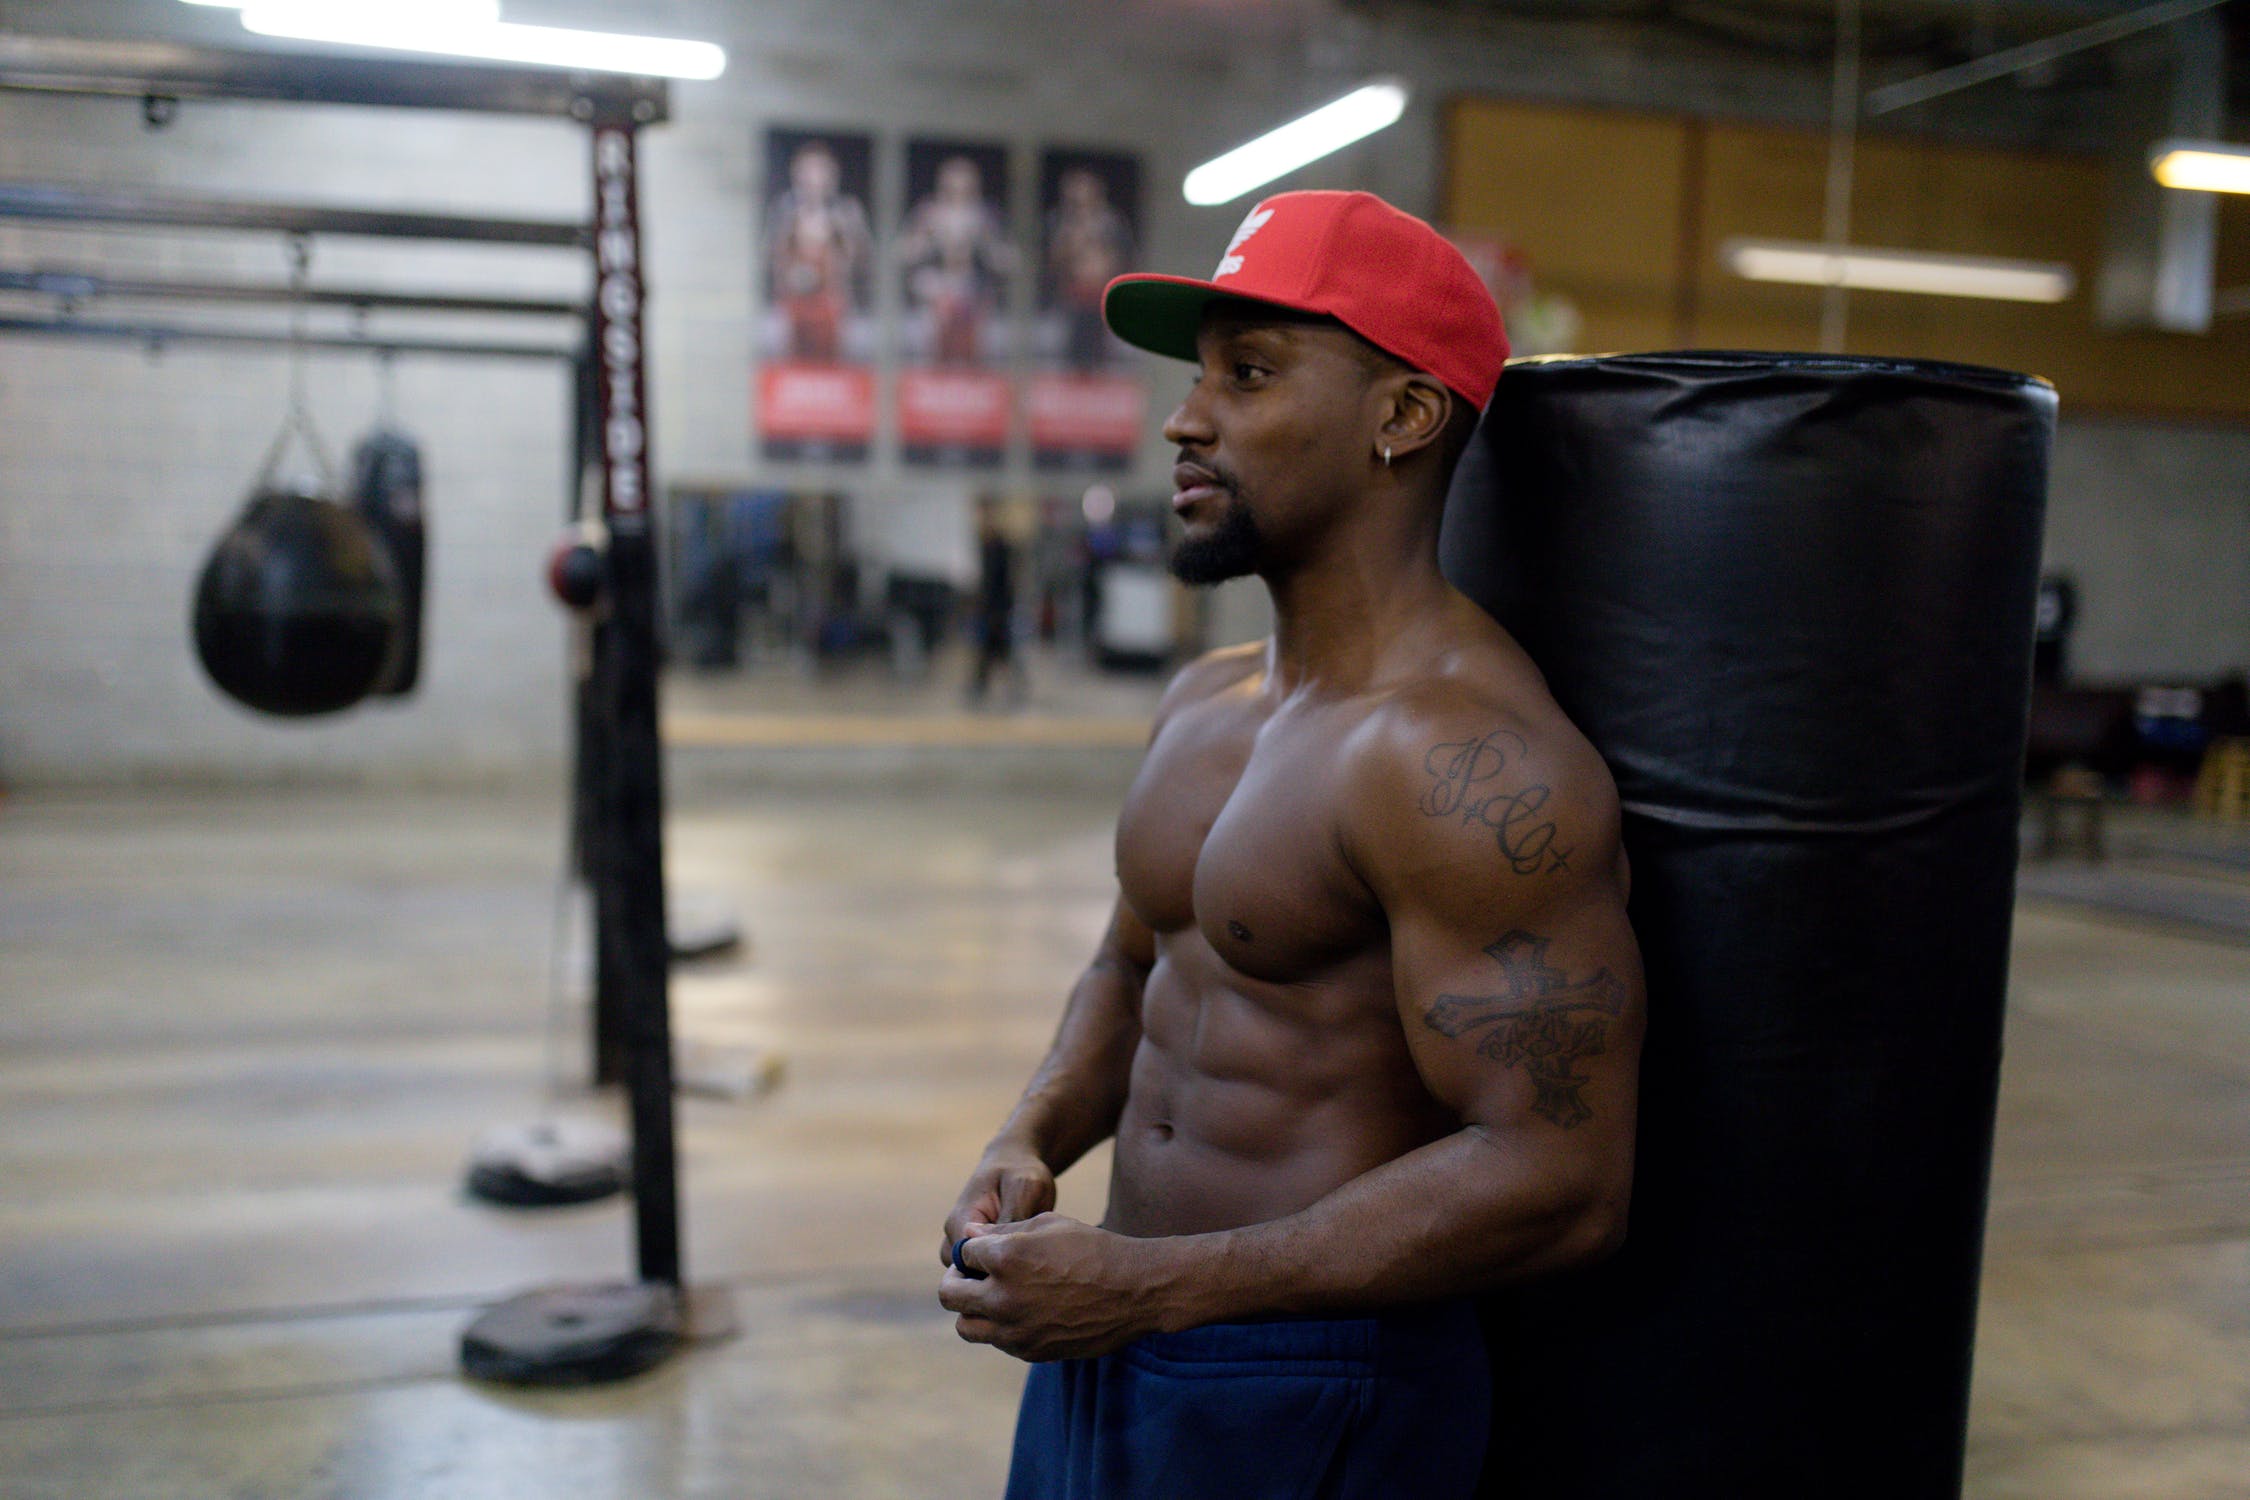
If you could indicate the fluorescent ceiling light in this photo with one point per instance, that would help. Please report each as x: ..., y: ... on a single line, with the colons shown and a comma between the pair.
x: 473, y: 28
x: 2203, y: 166
x: 1808, y: 263
x: 1285, y: 148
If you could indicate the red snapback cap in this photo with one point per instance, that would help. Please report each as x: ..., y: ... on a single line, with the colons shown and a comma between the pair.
x: 1381, y: 272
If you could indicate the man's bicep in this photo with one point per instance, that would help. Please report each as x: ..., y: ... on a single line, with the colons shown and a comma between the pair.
x: 1532, y: 1020
x: 1492, y: 845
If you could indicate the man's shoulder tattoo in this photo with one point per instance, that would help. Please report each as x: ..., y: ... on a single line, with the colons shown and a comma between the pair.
x: 1470, y: 780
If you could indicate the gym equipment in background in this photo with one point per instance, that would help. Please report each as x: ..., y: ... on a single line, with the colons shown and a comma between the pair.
x: 565, y: 1334
x: 550, y: 1163
x: 386, y: 490
x: 297, y: 611
x: 578, y: 1335
x: 1789, y: 598
x: 576, y: 565
x: 2057, y: 617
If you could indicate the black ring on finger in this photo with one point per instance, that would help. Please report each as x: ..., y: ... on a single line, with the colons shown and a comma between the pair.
x: 966, y: 1270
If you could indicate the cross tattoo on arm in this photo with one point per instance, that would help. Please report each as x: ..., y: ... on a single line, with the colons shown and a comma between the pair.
x: 1543, y: 1020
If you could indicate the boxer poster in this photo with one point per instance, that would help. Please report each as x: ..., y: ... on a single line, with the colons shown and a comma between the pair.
x: 956, y: 260
x: 1087, y: 403
x: 816, y: 380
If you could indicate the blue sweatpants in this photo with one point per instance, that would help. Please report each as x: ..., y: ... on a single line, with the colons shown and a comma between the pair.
x: 1396, y: 1405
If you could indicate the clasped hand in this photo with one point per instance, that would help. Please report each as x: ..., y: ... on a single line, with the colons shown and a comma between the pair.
x: 1050, y: 1288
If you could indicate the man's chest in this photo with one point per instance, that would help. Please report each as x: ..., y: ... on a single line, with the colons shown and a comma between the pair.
x: 1231, y: 829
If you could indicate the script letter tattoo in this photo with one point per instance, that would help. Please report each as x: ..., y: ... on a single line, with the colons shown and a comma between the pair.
x: 1463, y: 773
x: 1542, y: 1020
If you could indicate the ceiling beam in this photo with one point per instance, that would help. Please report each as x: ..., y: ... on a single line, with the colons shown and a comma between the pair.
x: 82, y: 286
x: 126, y: 206
x: 159, y: 336
x: 2009, y: 60
x: 173, y: 71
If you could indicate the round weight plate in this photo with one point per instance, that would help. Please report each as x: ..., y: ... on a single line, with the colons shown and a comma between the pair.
x: 549, y: 1163
x: 574, y: 1335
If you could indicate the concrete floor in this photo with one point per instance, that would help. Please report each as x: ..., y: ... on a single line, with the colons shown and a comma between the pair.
x: 245, y: 1041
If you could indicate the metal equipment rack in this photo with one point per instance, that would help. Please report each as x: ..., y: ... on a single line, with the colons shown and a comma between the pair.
x: 564, y: 1334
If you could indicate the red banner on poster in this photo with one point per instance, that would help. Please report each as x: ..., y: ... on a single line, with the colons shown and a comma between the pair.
x: 963, y: 412
x: 1085, y: 418
x: 816, y: 410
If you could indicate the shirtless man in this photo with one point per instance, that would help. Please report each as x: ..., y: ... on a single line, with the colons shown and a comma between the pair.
x: 817, y: 250
x: 1366, y: 1022
x: 958, y: 256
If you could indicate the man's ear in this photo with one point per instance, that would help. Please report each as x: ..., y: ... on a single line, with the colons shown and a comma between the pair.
x: 1418, y: 409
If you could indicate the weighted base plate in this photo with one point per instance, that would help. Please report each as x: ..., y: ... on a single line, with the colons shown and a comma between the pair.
x: 549, y: 1163
x: 574, y: 1335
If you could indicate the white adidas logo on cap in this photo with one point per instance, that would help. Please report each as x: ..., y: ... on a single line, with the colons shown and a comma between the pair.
x: 1230, y: 262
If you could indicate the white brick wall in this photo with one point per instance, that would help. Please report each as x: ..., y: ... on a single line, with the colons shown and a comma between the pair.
x: 117, y: 472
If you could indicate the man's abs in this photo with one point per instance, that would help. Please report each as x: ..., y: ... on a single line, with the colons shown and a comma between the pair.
x: 1251, y: 1100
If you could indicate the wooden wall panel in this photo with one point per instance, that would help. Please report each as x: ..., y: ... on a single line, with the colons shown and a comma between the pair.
x: 1908, y: 195
x: 1767, y: 185
x: 1593, y: 197
x: 1599, y: 240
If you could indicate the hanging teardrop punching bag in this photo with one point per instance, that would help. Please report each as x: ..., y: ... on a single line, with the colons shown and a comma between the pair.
x: 297, y: 610
x: 1790, y: 600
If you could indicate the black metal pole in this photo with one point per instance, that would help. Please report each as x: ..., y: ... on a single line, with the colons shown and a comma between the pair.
x: 590, y: 741
x: 629, y: 887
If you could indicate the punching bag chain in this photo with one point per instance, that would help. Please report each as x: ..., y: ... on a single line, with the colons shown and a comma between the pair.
x: 298, y: 421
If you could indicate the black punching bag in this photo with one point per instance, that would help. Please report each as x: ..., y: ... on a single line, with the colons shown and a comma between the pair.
x: 297, y: 609
x: 1790, y: 600
x: 386, y: 490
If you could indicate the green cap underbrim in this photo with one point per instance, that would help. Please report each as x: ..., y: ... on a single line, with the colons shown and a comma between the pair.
x: 1162, y: 314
